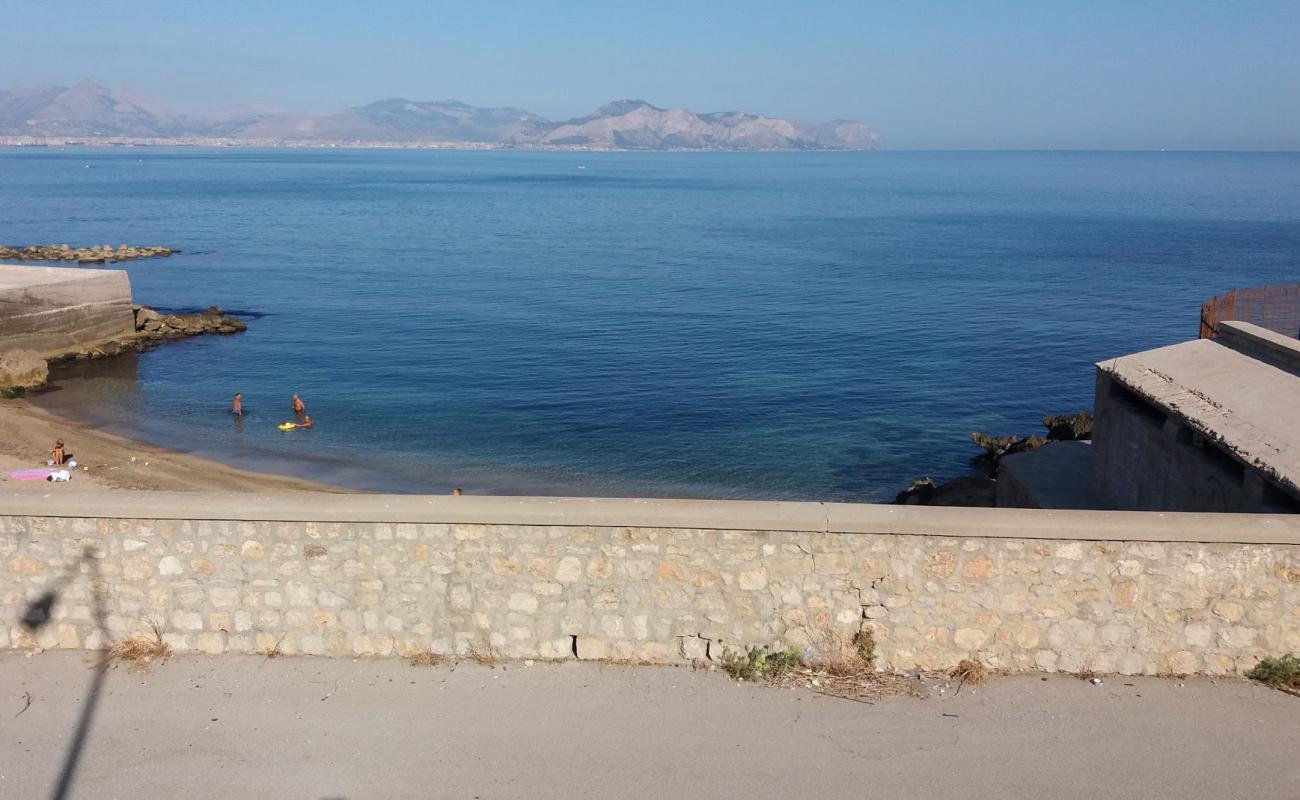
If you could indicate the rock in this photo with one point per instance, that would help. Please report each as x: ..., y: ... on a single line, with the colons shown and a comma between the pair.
x: 214, y: 311
x: 1069, y: 427
x: 146, y: 319
x: 95, y: 254
x: 968, y: 491
x: 995, y: 447
x: 22, y: 369
x: 917, y: 493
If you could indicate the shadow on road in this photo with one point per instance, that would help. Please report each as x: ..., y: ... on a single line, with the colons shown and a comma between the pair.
x: 37, y: 615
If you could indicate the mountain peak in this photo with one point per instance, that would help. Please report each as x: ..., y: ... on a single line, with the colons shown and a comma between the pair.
x: 618, y: 108
x: 87, y: 86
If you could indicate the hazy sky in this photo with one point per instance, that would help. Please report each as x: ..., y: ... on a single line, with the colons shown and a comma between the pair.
x: 1207, y: 74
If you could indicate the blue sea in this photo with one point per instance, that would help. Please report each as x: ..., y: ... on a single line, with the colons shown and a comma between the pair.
x: 742, y: 325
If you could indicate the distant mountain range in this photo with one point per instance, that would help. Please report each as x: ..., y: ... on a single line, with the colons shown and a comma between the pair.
x: 89, y: 111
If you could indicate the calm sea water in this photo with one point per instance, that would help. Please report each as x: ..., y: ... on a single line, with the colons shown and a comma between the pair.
x: 792, y: 325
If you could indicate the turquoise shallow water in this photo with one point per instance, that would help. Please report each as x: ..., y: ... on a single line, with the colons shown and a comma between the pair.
x: 775, y: 325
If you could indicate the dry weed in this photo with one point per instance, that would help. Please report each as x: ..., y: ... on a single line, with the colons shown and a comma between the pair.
x: 273, y: 651
x: 968, y: 670
x: 425, y: 658
x: 484, y: 658
x: 140, y: 650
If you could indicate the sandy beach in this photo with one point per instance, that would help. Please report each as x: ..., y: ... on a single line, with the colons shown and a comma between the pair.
x: 107, y: 461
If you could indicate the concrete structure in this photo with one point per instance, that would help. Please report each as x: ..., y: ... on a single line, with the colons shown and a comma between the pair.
x: 658, y: 581
x: 1053, y: 476
x: 1201, y: 426
x: 1261, y: 344
x: 55, y: 310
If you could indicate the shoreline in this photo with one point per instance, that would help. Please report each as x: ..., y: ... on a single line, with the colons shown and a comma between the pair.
x: 118, y: 462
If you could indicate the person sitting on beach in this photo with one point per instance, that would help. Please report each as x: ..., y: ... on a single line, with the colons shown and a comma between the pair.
x: 299, y: 407
x: 458, y: 491
x: 237, y: 405
x: 306, y: 422
x: 57, y: 454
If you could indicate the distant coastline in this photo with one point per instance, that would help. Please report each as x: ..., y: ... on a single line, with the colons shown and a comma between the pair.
x: 300, y: 144
x: 91, y: 114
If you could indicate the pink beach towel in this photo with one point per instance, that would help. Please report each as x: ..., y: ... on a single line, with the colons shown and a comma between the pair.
x: 31, y: 474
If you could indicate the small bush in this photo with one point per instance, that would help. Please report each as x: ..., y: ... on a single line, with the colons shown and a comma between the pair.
x: 13, y: 392
x: 761, y: 664
x: 1279, y: 672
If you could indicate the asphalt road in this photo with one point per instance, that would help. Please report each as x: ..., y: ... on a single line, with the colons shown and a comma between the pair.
x: 248, y: 727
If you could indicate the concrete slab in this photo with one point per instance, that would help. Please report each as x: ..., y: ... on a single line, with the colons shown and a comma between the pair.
x: 56, y: 310
x: 724, y: 515
x: 1261, y: 344
x: 1248, y: 407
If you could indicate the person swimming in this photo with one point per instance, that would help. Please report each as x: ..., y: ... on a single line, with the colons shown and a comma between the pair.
x: 237, y: 405
x: 299, y: 407
x: 306, y: 422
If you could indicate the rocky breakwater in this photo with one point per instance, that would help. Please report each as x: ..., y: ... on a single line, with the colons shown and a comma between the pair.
x: 95, y: 254
x: 153, y: 327
x: 980, y: 489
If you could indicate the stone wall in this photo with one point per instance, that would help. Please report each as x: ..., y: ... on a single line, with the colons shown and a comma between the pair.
x: 55, y: 310
x: 658, y: 581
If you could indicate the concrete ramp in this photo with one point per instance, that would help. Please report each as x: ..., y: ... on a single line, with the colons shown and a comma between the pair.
x: 56, y: 310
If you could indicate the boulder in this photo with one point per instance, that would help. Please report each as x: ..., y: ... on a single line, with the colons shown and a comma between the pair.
x: 22, y: 369
x: 917, y: 493
x: 146, y: 319
x: 1069, y: 427
x: 968, y: 491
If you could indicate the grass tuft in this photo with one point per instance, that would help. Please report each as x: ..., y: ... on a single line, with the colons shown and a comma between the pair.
x: 970, y: 671
x: 140, y: 650
x: 484, y: 658
x: 425, y: 658
x: 849, y: 672
x: 760, y: 663
x: 1280, y: 672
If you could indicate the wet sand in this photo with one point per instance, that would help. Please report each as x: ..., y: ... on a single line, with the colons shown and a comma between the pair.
x: 108, y: 461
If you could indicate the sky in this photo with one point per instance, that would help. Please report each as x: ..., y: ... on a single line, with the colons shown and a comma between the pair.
x: 1149, y: 74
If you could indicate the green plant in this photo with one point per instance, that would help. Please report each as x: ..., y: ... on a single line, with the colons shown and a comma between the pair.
x: 1281, y: 672
x: 13, y: 392
x: 760, y: 663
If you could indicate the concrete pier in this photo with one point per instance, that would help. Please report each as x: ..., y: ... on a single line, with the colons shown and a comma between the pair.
x: 55, y: 310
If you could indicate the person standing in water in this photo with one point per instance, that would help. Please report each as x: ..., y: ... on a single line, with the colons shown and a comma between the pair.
x: 299, y: 407
x: 237, y: 405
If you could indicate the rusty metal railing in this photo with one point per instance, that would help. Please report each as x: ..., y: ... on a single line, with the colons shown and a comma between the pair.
x: 1274, y: 307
